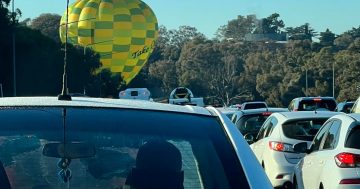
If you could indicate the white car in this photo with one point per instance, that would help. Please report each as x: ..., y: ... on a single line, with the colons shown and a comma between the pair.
x: 333, y: 159
x: 274, y: 143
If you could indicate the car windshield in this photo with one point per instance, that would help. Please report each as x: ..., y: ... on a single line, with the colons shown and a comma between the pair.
x: 311, y: 105
x: 304, y: 129
x: 30, y: 149
x: 251, y: 123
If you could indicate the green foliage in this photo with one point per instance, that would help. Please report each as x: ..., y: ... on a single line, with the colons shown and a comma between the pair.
x: 225, y: 70
x: 270, y: 25
x: 48, y: 25
x: 104, y: 84
x: 237, y: 28
x: 327, y: 38
x: 303, y: 32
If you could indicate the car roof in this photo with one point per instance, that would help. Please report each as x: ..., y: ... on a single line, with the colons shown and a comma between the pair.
x: 355, y: 116
x: 261, y: 110
x: 309, y: 114
x: 312, y: 97
x: 227, y: 110
x: 99, y: 103
x: 255, y: 102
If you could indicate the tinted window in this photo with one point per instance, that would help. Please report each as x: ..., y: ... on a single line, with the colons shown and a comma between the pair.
x: 353, y: 140
x: 208, y: 160
x: 134, y: 93
x: 347, y: 107
x: 332, y: 136
x: 271, y: 126
x: 315, y: 145
x: 311, y: 105
x: 263, y: 129
x: 355, y: 107
x: 234, y: 118
x: 254, y: 106
x: 302, y: 129
x: 291, y: 105
x: 251, y: 123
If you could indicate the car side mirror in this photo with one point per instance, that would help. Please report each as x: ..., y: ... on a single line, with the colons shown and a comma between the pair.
x: 249, y: 138
x: 301, y: 147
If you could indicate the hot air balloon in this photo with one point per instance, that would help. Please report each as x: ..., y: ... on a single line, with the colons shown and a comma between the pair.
x: 123, y: 32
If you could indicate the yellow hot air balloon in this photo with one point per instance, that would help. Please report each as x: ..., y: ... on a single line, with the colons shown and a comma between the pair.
x: 123, y: 32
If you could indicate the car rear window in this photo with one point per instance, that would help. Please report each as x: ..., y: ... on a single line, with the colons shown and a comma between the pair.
x: 322, y: 104
x: 353, y: 140
x: 251, y: 123
x: 207, y: 157
x: 254, y: 106
x: 134, y: 93
x: 304, y: 129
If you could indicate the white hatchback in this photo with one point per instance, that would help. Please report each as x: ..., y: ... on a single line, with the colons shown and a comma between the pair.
x: 274, y: 143
x: 333, y: 159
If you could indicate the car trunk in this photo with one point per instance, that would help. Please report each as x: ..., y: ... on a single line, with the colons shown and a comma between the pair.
x: 301, y: 130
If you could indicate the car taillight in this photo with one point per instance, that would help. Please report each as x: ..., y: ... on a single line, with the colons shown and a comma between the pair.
x: 122, y: 93
x: 317, y: 99
x: 295, y: 110
x: 282, y: 147
x: 347, y: 160
x: 266, y: 113
x: 350, y: 181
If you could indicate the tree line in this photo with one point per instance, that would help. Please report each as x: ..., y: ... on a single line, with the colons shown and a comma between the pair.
x: 230, y: 68
x: 39, y: 60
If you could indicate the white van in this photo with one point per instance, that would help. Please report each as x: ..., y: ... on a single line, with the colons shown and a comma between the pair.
x: 135, y: 93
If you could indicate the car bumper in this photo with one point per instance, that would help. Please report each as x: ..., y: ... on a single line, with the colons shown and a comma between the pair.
x: 278, y: 169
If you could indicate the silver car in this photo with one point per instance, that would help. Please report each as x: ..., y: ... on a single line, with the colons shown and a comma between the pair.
x: 114, y: 143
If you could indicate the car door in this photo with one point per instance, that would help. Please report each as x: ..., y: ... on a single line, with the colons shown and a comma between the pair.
x: 309, y: 170
x: 265, y: 131
x: 326, y: 152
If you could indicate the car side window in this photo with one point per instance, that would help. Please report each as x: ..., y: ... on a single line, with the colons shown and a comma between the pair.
x: 234, y: 118
x: 291, y: 105
x: 271, y: 126
x: 355, y: 107
x: 263, y: 129
x: 315, y: 145
x: 332, y: 136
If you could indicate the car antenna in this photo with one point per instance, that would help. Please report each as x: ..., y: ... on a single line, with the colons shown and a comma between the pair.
x: 64, y: 94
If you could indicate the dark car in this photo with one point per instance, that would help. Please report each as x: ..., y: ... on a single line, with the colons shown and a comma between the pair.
x: 114, y: 143
x: 313, y: 104
x: 250, y: 121
x: 344, y: 107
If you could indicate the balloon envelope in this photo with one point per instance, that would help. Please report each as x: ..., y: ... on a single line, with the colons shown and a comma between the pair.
x: 123, y: 32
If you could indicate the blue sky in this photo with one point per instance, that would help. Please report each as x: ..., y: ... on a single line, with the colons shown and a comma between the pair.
x: 208, y: 15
